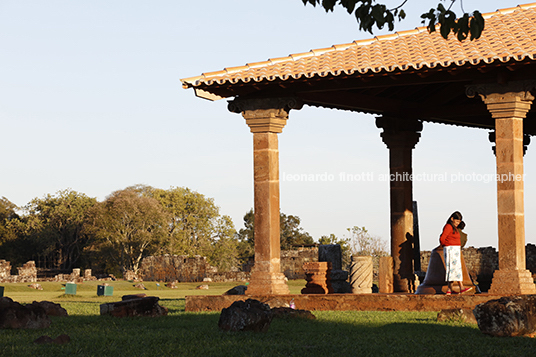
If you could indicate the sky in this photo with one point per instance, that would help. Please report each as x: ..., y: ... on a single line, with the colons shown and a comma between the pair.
x: 91, y: 100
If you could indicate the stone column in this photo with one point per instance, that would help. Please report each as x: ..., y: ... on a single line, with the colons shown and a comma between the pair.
x: 361, y: 274
x: 508, y: 105
x: 401, y: 136
x: 266, y: 118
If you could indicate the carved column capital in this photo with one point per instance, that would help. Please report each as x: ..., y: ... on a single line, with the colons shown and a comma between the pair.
x: 512, y: 100
x: 265, y: 115
x: 399, y: 133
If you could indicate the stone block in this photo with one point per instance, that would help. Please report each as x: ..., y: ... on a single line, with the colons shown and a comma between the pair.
x: 249, y: 315
x: 385, y: 275
x: 51, y: 309
x: 507, y: 316
x: 331, y: 253
x: 16, y: 316
x: 145, y: 306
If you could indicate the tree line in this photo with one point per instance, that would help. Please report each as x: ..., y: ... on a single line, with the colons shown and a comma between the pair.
x: 69, y: 230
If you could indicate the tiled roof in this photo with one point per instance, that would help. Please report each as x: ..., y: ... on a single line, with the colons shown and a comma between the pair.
x: 509, y: 35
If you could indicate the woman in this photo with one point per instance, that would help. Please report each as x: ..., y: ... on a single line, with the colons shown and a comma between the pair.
x: 450, y: 241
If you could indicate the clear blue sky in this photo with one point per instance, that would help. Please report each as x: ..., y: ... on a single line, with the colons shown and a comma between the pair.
x: 90, y: 99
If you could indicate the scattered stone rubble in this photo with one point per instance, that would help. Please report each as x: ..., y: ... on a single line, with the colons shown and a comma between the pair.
x: 507, y: 316
x: 16, y: 316
x: 134, y: 305
x: 253, y: 315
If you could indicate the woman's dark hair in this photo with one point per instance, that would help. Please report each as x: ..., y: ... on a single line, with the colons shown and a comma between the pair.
x: 455, y: 215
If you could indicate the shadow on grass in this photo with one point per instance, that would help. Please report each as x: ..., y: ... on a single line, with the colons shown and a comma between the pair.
x: 331, y: 334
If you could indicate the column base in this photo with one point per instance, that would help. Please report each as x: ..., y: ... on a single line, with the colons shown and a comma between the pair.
x: 266, y: 283
x: 510, y: 282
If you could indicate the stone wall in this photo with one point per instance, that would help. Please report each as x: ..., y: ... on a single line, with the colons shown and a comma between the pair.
x: 182, y: 268
x: 292, y: 261
x: 179, y: 268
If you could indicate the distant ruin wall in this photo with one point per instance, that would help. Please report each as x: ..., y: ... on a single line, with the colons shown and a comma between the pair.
x: 27, y: 273
x: 182, y: 268
x: 292, y: 261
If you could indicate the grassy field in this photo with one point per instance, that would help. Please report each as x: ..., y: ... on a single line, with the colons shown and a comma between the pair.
x: 333, y: 333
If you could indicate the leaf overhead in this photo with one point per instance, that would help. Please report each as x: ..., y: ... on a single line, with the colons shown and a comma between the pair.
x: 370, y: 14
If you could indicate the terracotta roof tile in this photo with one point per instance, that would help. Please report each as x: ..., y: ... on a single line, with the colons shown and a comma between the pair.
x: 510, y: 34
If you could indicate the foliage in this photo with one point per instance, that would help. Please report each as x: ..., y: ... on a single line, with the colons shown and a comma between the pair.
x: 194, y: 226
x: 191, y: 220
x: 362, y: 243
x: 345, y: 247
x: 368, y: 14
x: 113, y: 236
x: 224, y: 254
x: 54, y: 224
x: 129, y: 226
x: 290, y: 233
x: 8, y: 231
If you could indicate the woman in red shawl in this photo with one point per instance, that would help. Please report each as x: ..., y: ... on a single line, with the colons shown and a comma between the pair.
x: 450, y: 241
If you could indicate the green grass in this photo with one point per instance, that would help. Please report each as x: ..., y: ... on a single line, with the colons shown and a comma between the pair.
x: 87, y: 291
x: 333, y: 333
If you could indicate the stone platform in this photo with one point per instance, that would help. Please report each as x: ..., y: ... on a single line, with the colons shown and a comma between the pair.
x: 345, y: 302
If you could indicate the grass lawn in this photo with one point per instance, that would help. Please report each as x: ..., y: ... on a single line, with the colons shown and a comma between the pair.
x: 333, y: 333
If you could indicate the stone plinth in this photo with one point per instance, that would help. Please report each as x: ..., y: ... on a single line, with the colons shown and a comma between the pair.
x: 349, y: 302
x: 317, y: 275
x: 361, y: 275
x: 512, y: 282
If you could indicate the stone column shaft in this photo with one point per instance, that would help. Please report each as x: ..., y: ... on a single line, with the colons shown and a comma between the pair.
x: 401, y: 136
x: 266, y: 118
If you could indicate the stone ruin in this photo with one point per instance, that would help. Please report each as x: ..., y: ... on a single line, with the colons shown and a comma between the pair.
x: 28, y: 274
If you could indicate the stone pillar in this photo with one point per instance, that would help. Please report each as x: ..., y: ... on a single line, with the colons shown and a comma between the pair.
x: 508, y: 105
x: 361, y: 275
x: 266, y: 118
x: 385, y: 275
x: 401, y: 136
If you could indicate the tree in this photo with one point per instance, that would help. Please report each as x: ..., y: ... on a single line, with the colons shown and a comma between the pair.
x: 129, y: 226
x: 195, y: 227
x: 362, y: 243
x: 224, y: 254
x: 369, y: 13
x: 290, y: 232
x: 10, y: 245
x: 345, y: 247
x: 54, y: 224
x: 191, y: 219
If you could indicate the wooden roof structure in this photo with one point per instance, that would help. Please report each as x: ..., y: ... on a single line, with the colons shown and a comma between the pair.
x: 409, y: 74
